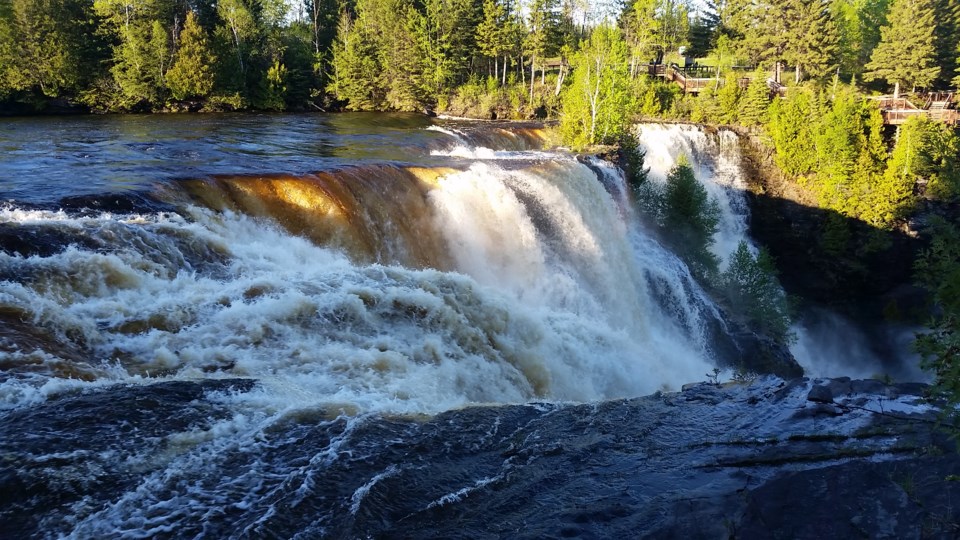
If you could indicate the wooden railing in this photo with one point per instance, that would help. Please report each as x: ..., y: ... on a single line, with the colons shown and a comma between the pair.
x: 938, y: 106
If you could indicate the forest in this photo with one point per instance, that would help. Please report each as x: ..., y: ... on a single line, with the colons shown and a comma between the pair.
x: 480, y: 57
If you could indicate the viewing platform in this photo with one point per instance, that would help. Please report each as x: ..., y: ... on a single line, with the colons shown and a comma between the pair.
x: 694, y: 79
x: 938, y: 106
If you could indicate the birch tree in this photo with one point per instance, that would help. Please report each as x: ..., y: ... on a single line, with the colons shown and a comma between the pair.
x: 597, y: 106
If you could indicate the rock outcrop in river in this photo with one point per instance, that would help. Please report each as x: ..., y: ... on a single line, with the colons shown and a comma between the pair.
x: 766, y: 459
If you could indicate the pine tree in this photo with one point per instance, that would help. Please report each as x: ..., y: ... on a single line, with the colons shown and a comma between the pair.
x: 947, y: 38
x: 356, y: 68
x: 858, y: 26
x: 754, y: 105
x: 728, y: 97
x: 690, y: 219
x: 751, y: 288
x: 543, y: 38
x: 812, y: 39
x: 906, y: 53
x: 956, y: 80
x: 192, y: 73
x: 38, y: 48
x: 492, y: 32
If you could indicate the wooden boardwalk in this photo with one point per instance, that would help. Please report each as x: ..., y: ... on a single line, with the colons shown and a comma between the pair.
x: 938, y: 106
x: 692, y: 80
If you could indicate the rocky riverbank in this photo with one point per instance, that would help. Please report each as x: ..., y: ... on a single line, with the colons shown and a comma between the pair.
x: 766, y: 458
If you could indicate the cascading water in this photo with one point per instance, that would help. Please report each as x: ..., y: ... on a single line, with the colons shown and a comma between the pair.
x: 827, y: 344
x: 235, y: 350
x: 423, y: 289
x: 715, y: 159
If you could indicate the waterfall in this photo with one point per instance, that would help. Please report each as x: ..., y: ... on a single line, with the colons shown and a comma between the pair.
x: 386, y: 287
x: 715, y: 159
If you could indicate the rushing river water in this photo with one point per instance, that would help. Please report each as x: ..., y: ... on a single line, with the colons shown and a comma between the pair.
x: 179, y: 289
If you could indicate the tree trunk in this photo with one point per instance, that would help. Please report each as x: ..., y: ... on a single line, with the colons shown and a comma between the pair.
x: 796, y: 78
x: 505, y: 64
x: 523, y: 72
x: 533, y: 75
x: 559, y: 80
x: 896, y: 90
x: 496, y: 66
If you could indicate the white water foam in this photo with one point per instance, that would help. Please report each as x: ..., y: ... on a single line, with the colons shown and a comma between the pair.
x: 716, y: 165
x: 553, y: 302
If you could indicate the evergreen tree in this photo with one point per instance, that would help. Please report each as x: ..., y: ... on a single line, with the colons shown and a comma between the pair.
x: 40, y: 47
x: 142, y: 53
x: 938, y: 271
x: 356, y: 68
x: 906, y: 53
x: 449, y: 41
x: 812, y: 39
x: 492, y: 33
x: 858, y: 31
x: 753, y: 110
x: 192, y: 74
x: 947, y: 38
x: 543, y: 38
x: 690, y: 219
x: 766, y: 31
x: 793, y: 122
x: 751, y: 288
x: 728, y: 98
x: 956, y: 80
x: 701, y: 37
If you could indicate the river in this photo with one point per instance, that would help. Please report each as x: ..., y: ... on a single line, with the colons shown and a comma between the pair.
x: 176, y: 289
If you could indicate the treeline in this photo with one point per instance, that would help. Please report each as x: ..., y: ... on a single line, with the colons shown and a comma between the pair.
x: 478, y: 57
x: 143, y: 55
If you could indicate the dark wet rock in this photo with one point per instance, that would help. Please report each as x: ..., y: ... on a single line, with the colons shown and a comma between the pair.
x: 912, y: 389
x: 820, y: 394
x: 712, y: 461
x: 869, y: 386
x: 911, y: 498
x: 840, y: 386
x: 790, y: 387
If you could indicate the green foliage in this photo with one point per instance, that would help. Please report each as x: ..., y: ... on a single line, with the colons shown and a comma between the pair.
x: 750, y: 286
x: 355, y: 67
x: 791, y: 128
x: 689, y: 219
x: 813, y: 38
x: 598, y: 105
x: 728, y: 99
x: 756, y: 101
x: 938, y: 270
x: 927, y: 153
x: 906, y: 53
x: 858, y: 26
x: 39, y: 46
x: 192, y: 74
x: 631, y: 159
